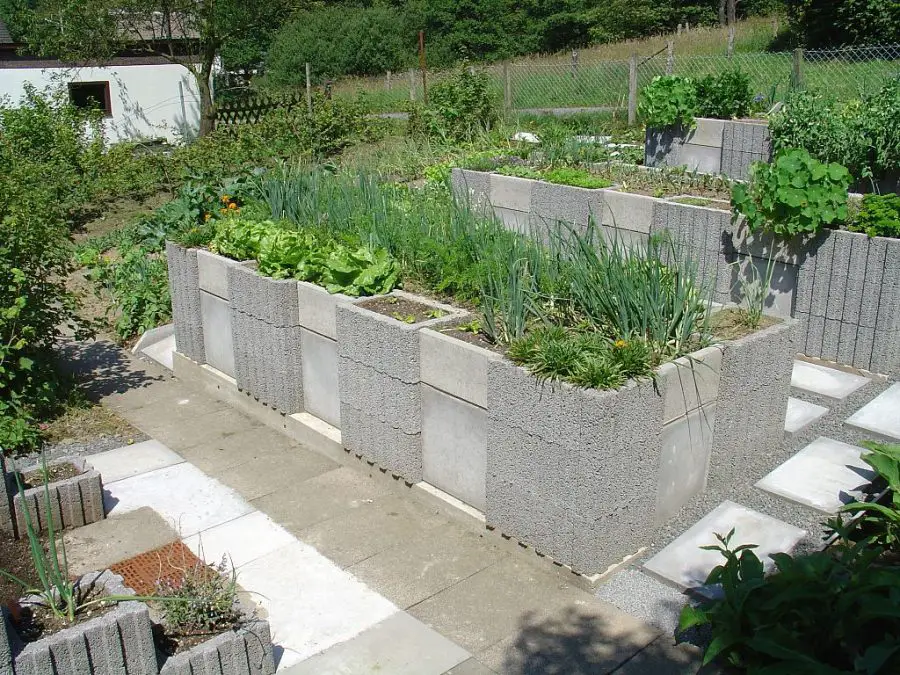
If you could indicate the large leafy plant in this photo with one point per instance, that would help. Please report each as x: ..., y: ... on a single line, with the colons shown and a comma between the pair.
x: 667, y: 101
x: 725, y: 95
x: 460, y: 107
x: 795, y: 194
x: 878, y: 216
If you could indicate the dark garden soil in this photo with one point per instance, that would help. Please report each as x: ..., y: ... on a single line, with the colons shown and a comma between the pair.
x: 172, y: 643
x: 478, y: 339
x: 702, y: 201
x: 15, y: 558
x: 401, y: 309
x: 36, y: 622
x: 674, y: 191
x: 54, y: 473
x: 731, y: 324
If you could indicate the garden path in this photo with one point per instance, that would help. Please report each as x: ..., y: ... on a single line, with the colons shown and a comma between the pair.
x: 355, y: 574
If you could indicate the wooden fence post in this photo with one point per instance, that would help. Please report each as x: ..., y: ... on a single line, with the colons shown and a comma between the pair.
x: 797, y: 70
x: 670, y: 57
x: 507, y: 89
x: 388, y: 80
x: 308, y: 89
x: 574, y: 63
x: 632, y: 89
x: 412, y: 84
x: 730, y: 50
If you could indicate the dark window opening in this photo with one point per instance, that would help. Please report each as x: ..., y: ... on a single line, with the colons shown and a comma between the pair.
x: 91, y: 95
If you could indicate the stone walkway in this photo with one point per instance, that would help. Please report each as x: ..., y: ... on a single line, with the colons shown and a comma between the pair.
x: 356, y: 574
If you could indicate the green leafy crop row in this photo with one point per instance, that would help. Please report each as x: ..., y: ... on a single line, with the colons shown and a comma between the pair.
x: 672, y: 100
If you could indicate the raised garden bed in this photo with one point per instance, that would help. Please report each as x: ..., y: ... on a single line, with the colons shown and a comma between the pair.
x: 246, y: 650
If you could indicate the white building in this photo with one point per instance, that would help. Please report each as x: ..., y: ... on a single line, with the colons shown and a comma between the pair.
x: 143, y: 97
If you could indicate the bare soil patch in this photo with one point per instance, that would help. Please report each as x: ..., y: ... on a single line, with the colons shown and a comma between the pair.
x: 402, y: 309
x: 731, y: 324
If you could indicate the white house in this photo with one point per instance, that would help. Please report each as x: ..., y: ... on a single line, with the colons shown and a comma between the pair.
x: 143, y: 97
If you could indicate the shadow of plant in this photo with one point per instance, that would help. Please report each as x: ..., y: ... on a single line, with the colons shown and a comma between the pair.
x: 103, y: 368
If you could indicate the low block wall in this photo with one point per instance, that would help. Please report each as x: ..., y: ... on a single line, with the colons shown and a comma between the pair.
x: 184, y: 288
x: 246, y: 651
x: 725, y: 147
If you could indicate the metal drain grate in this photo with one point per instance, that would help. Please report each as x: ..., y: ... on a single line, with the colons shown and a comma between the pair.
x: 143, y: 572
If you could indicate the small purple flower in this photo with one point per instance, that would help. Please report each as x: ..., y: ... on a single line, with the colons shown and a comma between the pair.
x: 759, y: 98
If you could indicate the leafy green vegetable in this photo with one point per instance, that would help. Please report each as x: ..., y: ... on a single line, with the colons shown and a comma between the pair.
x: 879, y: 216
x: 669, y: 100
x: 575, y: 177
x: 240, y: 239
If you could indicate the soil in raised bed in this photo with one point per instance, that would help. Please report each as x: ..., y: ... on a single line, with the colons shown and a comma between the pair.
x: 401, y: 309
x: 705, y: 202
x: 478, y: 338
x: 55, y: 472
x: 35, y: 622
x: 731, y: 324
x: 15, y: 558
x: 171, y: 643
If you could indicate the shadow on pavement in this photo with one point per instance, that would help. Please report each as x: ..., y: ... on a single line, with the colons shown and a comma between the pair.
x: 103, y: 368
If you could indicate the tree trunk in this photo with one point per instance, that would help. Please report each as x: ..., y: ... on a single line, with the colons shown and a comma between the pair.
x: 732, y: 12
x: 207, y: 105
x: 722, y: 12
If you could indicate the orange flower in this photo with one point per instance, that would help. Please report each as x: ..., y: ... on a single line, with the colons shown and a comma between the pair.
x: 232, y: 205
x: 225, y: 199
x: 223, y: 211
x: 207, y: 216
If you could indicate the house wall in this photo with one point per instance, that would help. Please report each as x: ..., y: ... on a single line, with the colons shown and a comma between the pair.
x: 148, y: 101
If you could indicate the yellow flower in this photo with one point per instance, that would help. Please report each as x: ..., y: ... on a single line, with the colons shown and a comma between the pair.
x: 207, y: 216
x: 225, y: 199
x: 223, y: 211
x: 620, y: 344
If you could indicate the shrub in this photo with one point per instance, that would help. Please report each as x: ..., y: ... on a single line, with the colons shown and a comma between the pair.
x: 724, y: 96
x: 460, y: 107
x: 794, y: 194
x: 825, y: 23
x: 669, y: 101
x: 878, y: 216
x: 203, y: 601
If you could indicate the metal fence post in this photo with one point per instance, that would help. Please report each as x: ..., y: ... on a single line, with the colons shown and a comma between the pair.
x: 632, y: 89
x: 670, y: 57
x: 412, y: 84
x: 574, y: 63
x: 507, y: 89
x: 308, y: 89
x: 797, y: 70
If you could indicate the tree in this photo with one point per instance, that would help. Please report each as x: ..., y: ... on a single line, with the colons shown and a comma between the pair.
x: 190, y: 33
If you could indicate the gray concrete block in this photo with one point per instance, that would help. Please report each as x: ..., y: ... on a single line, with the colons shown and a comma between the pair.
x: 184, y: 287
x: 381, y: 396
x: 472, y: 188
x: 627, y: 211
x: 885, y: 352
x: 511, y: 192
x: 454, y: 446
x: 846, y: 343
x: 684, y: 460
x: 765, y: 245
x: 662, y: 146
x: 856, y: 278
x: 212, y: 272
x: 690, y: 381
x: 518, y: 221
x: 837, y: 287
x: 782, y: 287
x: 118, y: 641
x: 319, y: 368
x: 707, y: 132
x: 283, y: 302
x: 316, y: 308
x: 455, y: 367
x: 862, y: 350
x: 245, y: 651
x: 700, y: 158
x: 382, y: 443
x: 564, y: 203
x: 283, y: 368
x: 627, y: 238
x: 217, y: 335
x: 383, y: 343
x: 545, y: 525
x: 815, y: 334
x: 830, y: 340
x: 73, y: 502
x: 824, y: 261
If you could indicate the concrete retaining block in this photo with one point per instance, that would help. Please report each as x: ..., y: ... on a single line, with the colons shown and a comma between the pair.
x: 689, y: 382
x: 119, y: 641
x: 319, y: 365
x: 380, y: 442
x: 627, y: 211
x: 184, y: 288
x: 316, y: 308
x: 212, y: 272
x: 552, y: 203
x: 744, y: 143
x: 217, y: 332
x: 245, y: 651
x: 454, y: 366
x: 74, y: 501
x: 472, y: 188
x: 511, y: 192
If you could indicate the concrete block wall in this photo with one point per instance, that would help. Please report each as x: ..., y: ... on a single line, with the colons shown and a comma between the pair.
x: 184, y: 288
x: 265, y: 322
x: 74, y: 501
x: 119, y: 641
x: 454, y: 377
x: 215, y: 308
x: 7, y: 521
x: 379, y: 384
x: 246, y: 651
x: 744, y: 143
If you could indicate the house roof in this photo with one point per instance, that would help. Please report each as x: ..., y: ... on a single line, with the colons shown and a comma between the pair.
x: 5, y: 37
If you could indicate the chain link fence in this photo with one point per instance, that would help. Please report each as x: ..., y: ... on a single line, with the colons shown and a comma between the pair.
x: 603, y: 85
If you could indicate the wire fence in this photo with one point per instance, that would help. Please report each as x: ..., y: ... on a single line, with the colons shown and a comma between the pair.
x: 613, y: 85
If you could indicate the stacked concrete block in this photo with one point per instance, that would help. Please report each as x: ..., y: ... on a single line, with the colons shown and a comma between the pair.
x: 572, y: 206
x: 7, y: 521
x: 698, y: 149
x: 215, y: 307
x: 266, y: 331
x: 379, y: 384
x: 454, y: 415
x: 184, y: 288
x: 73, y: 501
x: 245, y: 651
x: 472, y: 188
x: 118, y: 641
x: 754, y: 386
x: 744, y: 143
x: 626, y: 218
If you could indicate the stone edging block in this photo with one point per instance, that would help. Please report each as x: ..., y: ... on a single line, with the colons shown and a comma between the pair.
x: 213, y: 273
x: 317, y: 308
x: 74, y: 501
x: 184, y: 288
x: 455, y: 366
x: 246, y: 651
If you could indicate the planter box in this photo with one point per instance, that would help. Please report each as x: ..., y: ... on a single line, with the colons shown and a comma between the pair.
x: 74, y: 501
x: 215, y: 309
x: 454, y: 415
x: 120, y: 641
x: 184, y: 287
x: 725, y: 147
x: 246, y: 651
x: 379, y: 376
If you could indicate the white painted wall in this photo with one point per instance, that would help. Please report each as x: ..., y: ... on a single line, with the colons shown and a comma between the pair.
x: 155, y: 101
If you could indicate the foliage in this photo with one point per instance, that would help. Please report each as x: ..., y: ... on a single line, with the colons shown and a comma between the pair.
x: 825, y: 23
x: 575, y: 177
x: 724, y: 96
x: 667, y: 101
x: 754, y: 289
x: 795, y: 194
x: 240, y: 239
x: 827, y: 612
x: 203, y: 600
x: 878, y: 216
x: 460, y: 107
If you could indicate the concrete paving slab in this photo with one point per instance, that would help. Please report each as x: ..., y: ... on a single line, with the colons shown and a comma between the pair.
x: 800, y: 414
x: 664, y: 657
x: 180, y: 432
x: 363, y: 532
x: 399, y: 645
x: 131, y: 460
x: 830, y: 382
x: 645, y: 597
x: 274, y: 470
x: 311, y: 603
x: 321, y: 498
x: 470, y: 667
x: 183, y: 495
x: 225, y: 452
x: 162, y: 352
x: 685, y: 564
x: 880, y: 416
x: 579, y: 638
x: 106, y: 542
x: 824, y: 475
x: 414, y: 571
x: 241, y: 540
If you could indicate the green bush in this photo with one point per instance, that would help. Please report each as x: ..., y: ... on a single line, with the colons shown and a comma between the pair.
x: 795, y: 194
x: 878, y: 216
x: 724, y: 96
x: 460, y: 107
x: 826, y: 23
x: 668, y: 101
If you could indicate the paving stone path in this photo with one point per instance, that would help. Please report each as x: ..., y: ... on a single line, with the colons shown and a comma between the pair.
x: 355, y: 574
